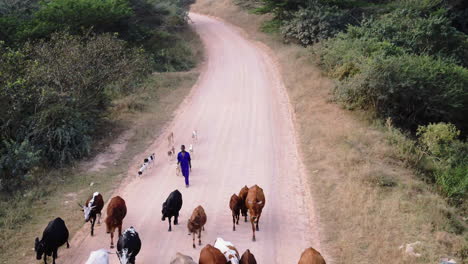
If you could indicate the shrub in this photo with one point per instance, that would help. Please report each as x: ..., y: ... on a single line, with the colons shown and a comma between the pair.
x: 412, y: 90
x: 438, y: 138
x: 74, y: 15
x: 450, y: 156
x: 417, y: 33
x: 16, y: 160
x: 314, y: 23
x: 54, y: 93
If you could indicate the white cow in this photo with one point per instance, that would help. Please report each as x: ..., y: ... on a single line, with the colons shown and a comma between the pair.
x: 100, y: 256
x: 228, y: 250
x: 182, y: 259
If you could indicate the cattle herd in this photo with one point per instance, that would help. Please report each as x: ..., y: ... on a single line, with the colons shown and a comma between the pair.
x: 249, y: 201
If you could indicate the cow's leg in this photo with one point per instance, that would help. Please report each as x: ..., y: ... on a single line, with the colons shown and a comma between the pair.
x: 199, y: 237
x: 176, y: 219
x: 54, y: 255
x: 258, y: 221
x: 253, y: 229
x: 45, y: 258
x: 170, y: 227
x: 112, y: 239
x: 93, y: 220
x: 193, y: 235
x: 233, y: 221
x: 68, y: 245
x: 99, y: 219
x: 237, y: 216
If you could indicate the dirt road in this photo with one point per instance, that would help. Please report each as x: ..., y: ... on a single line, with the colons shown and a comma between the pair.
x: 246, y: 137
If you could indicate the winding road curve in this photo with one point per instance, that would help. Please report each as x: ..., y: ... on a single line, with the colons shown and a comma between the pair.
x: 246, y: 137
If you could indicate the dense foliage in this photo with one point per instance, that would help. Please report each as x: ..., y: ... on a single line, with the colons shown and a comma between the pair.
x: 403, y: 60
x: 62, y: 62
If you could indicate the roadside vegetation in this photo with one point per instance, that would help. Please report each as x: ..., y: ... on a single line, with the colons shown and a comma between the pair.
x: 405, y: 61
x: 393, y: 170
x: 74, y: 75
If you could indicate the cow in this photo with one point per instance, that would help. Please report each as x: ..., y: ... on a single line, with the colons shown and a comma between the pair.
x: 54, y: 236
x: 116, y: 212
x: 228, y: 250
x: 196, y: 223
x: 92, y: 209
x: 171, y: 208
x: 211, y: 255
x: 170, y: 139
x: 255, y: 202
x: 243, y: 195
x: 311, y: 256
x: 100, y: 256
x: 182, y: 259
x: 128, y: 246
x: 235, y: 204
x: 248, y: 258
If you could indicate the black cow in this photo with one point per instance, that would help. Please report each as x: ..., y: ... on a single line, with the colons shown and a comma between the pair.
x: 54, y: 236
x: 171, y: 207
x: 128, y: 246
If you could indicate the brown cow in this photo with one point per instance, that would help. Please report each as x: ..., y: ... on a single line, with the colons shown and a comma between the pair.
x: 248, y: 258
x: 116, y: 211
x: 92, y: 209
x: 211, y: 255
x: 311, y: 256
x: 235, y: 205
x: 243, y: 195
x: 255, y: 202
x: 196, y: 223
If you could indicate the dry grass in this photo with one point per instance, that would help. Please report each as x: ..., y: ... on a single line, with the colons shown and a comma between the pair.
x: 145, y: 114
x: 367, y: 201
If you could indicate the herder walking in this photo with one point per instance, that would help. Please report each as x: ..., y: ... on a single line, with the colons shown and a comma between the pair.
x: 184, y: 161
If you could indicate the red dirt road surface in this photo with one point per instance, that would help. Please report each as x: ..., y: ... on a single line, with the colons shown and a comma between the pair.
x: 245, y: 137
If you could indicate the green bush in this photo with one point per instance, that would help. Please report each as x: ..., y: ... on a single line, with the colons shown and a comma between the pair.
x: 54, y: 94
x: 412, y: 90
x: 16, y: 160
x: 450, y: 156
x: 76, y: 15
x: 314, y: 23
x: 416, y: 33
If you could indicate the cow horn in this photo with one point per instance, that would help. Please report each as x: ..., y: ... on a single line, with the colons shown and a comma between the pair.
x: 79, y: 205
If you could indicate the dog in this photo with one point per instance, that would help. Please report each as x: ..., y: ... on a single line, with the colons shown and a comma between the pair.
x: 150, y: 159
x: 194, y: 136
x: 171, y: 153
x: 170, y: 139
x: 142, y: 169
x: 191, y: 150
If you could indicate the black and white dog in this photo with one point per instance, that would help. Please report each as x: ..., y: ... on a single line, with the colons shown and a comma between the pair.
x: 146, y: 163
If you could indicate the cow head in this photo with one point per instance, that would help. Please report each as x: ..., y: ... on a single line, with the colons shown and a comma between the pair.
x: 87, y: 210
x: 39, y: 247
x: 164, y: 212
x: 124, y: 256
x: 255, y: 210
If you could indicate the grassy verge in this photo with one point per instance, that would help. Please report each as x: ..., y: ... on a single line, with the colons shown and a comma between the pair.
x: 24, y: 217
x: 368, y: 201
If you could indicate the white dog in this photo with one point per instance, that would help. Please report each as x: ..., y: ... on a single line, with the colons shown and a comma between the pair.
x: 195, y: 136
x: 191, y: 150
